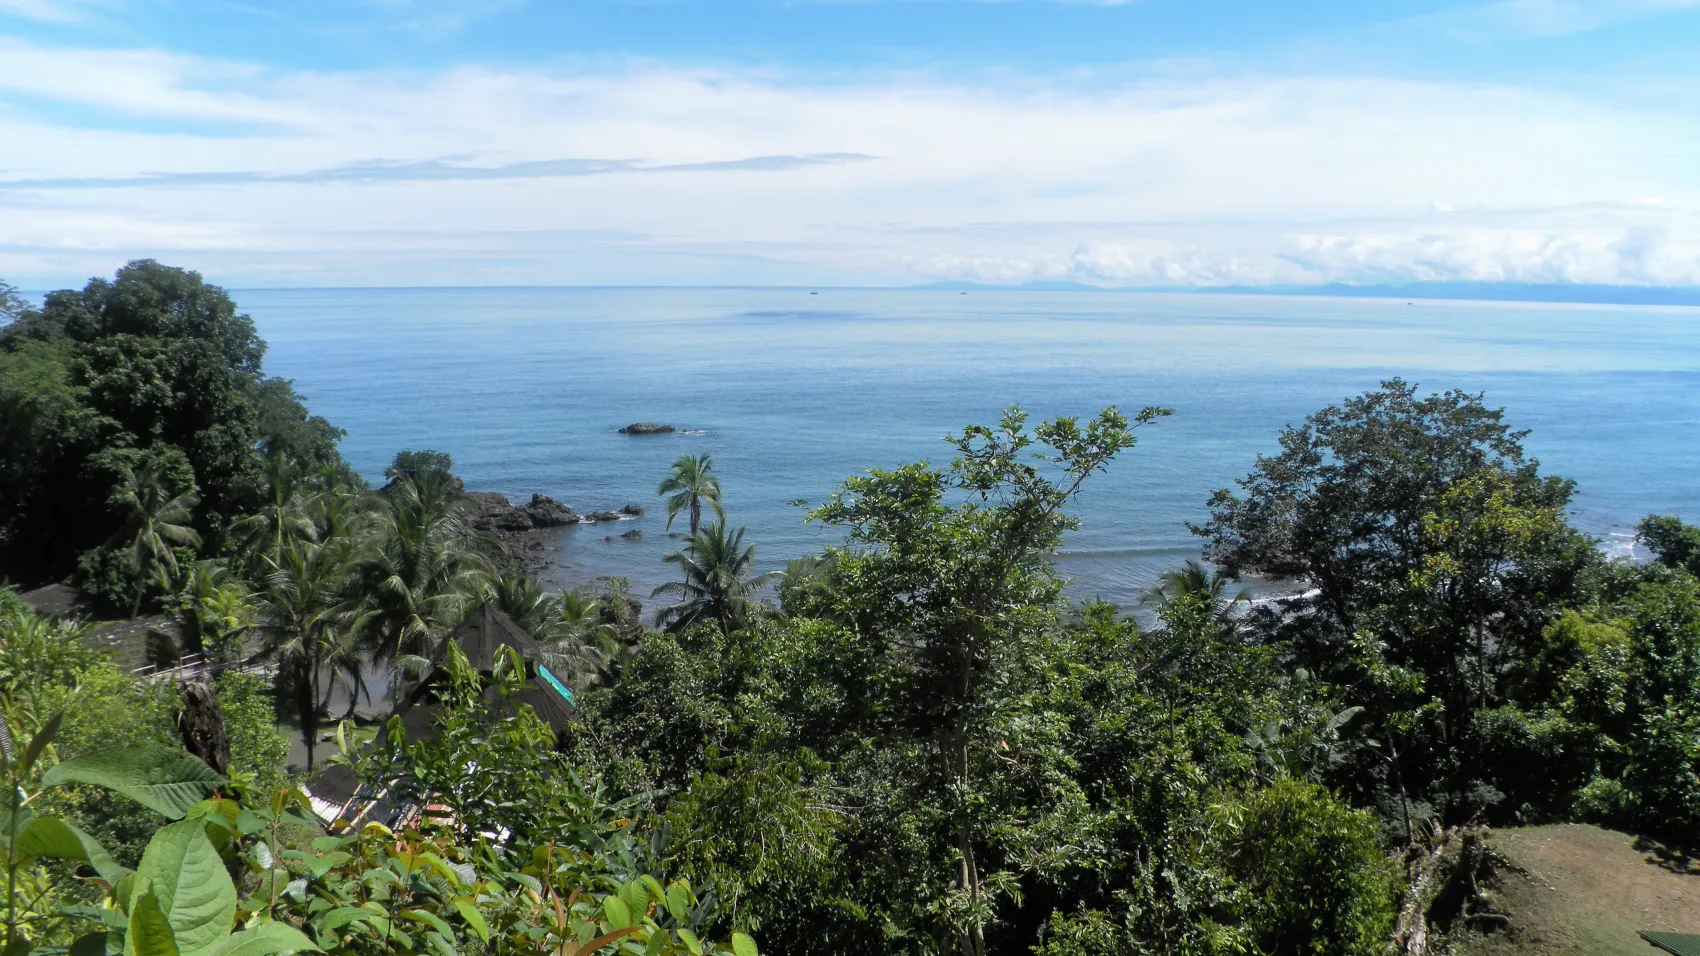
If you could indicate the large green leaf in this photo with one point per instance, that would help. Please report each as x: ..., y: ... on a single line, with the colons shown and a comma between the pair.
x: 469, y: 911
x: 192, y: 886
x: 157, y: 777
x: 267, y: 939
x: 150, y: 932
x: 57, y: 840
x: 743, y: 945
x: 330, y: 921
x: 617, y: 912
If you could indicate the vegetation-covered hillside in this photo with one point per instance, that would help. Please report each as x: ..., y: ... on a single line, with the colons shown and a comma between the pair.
x: 911, y: 743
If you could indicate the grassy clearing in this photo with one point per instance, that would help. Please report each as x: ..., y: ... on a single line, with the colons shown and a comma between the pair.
x: 1575, y: 890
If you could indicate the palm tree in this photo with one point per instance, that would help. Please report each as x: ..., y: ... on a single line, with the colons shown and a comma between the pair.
x: 1196, y: 579
x: 521, y: 598
x: 421, y: 573
x: 691, y: 486
x: 154, y: 521
x: 303, y: 618
x: 580, y: 644
x: 282, y: 516
x: 217, y: 610
x: 717, y: 586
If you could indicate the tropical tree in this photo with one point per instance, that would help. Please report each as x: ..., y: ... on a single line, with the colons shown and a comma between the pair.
x: 690, y: 486
x: 420, y: 573
x: 12, y: 305
x: 282, y: 516
x: 718, y: 585
x: 155, y: 520
x: 952, y: 576
x: 216, y: 609
x: 1198, y: 579
x: 581, y: 644
x: 303, y: 621
x: 523, y: 600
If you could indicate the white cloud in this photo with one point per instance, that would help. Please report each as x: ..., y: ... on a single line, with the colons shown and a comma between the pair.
x: 1206, y: 180
x: 1549, y: 18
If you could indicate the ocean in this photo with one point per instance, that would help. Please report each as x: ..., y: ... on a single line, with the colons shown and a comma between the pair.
x: 791, y: 390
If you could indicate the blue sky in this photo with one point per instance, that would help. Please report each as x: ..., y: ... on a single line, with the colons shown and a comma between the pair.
x: 880, y: 142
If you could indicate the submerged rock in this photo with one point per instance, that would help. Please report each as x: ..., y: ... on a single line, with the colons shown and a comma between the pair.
x: 596, y: 516
x: 646, y: 428
x: 633, y: 534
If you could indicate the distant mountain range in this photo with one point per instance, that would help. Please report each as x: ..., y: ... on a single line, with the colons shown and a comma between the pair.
x: 1485, y: 291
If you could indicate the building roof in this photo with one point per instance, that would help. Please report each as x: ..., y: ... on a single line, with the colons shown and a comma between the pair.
x: 334, y: 791
x: 57, y: 600
x: 1681, y: 944
x: 484, y: 631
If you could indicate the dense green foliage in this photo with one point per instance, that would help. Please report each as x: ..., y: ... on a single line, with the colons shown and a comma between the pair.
x: 910, y: 744
x: 1505, y: 670
x: 246, y: 869
x: 928, y: 751
x: 149, y: 377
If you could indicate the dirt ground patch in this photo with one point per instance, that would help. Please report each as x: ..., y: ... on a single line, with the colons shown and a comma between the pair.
x: 1576, y: 890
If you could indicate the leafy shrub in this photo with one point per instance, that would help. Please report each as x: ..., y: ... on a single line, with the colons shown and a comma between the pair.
x: 1602, y: 800
x: 257, y: 749
x: 1319, y: 883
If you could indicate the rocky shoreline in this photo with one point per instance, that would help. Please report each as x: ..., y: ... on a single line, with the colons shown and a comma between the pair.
x: 516, y: 532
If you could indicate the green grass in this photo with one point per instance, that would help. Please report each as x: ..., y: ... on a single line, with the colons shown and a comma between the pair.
x: 1577, y: 890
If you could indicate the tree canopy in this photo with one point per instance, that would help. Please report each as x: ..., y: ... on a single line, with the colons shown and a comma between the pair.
x: 153, y: 362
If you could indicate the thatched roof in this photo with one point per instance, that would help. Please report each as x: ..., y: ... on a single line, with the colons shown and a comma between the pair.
x: 156, y: 640
x: 482, y: 633
x: 57, y: 600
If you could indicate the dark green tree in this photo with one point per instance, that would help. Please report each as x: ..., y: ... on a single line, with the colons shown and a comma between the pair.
x: 156, y: 519
x: 152, y: 358
x: 421, y: 572
x: 718, y: 581
x: 1435, y: 553
x: 1674, y: 544
x: 962, y: 593
x: 414, y: 464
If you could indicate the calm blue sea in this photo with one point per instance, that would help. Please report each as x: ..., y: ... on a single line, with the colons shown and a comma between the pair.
x: 791, y: 391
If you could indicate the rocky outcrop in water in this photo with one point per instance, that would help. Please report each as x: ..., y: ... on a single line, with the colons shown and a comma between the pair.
x: 515, y: 537
x: 546, y: 512
x: 495, y: 513
x: 646, y: 428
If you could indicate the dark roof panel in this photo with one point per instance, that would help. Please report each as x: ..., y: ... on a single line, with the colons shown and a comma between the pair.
x: 57, y: 600
x: 1682, y: 944
x: 482, y: 633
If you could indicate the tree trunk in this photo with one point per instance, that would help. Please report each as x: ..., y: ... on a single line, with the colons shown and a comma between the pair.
x: 307, y: 698
x: 968, y: 871
x: 696, y: 514
x: 200, y: 722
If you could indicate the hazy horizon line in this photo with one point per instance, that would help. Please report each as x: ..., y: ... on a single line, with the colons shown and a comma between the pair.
x: 1439, y: 290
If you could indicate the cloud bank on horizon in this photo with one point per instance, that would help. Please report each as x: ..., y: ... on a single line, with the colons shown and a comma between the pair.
x: 1159, y: 143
